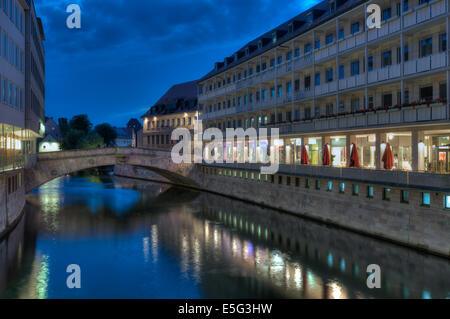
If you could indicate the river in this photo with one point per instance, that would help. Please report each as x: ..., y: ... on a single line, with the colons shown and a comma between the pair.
x: 135, y: 239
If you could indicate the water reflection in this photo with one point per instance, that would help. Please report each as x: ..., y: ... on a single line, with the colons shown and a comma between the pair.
x: 141, y: 240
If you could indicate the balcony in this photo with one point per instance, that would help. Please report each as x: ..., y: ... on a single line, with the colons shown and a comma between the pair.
x: 428, y: 63
x: 326, y: 52
x: 353, y: 81
x: 302, y: 61
x: 386, y: 73
x: 387, y: 28
x: 424, y: 13
x: 301, y: 95
x: 216, y: 114
x: 352, y: 41
x: 326, y: 88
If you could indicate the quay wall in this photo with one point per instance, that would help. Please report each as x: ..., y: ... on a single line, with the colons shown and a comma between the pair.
x: 408, y: 223
x: 12, y: 200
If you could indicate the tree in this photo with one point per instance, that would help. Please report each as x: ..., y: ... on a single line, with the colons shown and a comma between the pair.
x: 107, y: 132
x: 134, y: 124
x: 81, y: 122
x: 73, y: 140
x: 92, y: 140
x: 63, y: 126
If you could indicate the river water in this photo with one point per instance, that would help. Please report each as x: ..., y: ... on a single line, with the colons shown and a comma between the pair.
x: 135, y: 239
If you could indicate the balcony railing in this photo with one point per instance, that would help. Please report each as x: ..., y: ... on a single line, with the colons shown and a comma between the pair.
x: 423, y: 13
x: 353, y: 81
x: 428, y: 63
x: 352, y: 41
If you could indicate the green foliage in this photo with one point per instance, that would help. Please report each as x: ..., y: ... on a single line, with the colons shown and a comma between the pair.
x: 77, y: 133
x: 81, y: 122
x: 107, y: 132
x: 92, y: 140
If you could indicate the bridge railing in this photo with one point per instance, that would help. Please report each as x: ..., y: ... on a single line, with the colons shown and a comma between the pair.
x: 101, y: 152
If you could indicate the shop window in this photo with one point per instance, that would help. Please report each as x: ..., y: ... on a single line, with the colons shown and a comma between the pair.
x: 272, y: 179
x: 355, y: 189
x: 288, y: 181
x: 307, y: 183
x: 280, y: 180
x: 443, y: 90
x: 370, y: 191
x: 330, y: 186
x: 405, y: 196
x: 386, y: 194
x: 297, y: 182
x: 342, y: 188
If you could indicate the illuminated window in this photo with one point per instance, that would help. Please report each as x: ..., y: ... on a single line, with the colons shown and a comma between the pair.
x: 330, y: 186
x: 342, y: 188
x: 355, y: 189
x: 447, y: 201
x: 405, y: 196
x: 426, y: 199
x: 317, y: 184
x: 386, y: 194
x: 370, y: 191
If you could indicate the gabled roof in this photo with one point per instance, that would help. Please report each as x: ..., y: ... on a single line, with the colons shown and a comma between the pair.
x: 179, y: 98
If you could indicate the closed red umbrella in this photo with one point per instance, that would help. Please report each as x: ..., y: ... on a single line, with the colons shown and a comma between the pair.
x: 388, y: 158
x: 305, y: 156
x: 326, y: 161
x: 354, y: 157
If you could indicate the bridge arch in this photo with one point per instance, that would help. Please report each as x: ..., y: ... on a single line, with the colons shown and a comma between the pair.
x: 52, y: 165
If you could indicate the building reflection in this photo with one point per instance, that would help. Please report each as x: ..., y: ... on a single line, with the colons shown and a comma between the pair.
x: 227, y: 248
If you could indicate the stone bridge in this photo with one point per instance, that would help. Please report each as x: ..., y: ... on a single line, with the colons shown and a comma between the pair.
x: 49, y: 166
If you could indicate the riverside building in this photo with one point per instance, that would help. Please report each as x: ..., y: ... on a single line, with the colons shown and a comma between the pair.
x: 177, y: 108
x: 324, y: 78
x: 22, y: 103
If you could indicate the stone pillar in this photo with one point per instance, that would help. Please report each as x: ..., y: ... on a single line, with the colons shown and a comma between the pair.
x: 415, y: 150
x: 378, y: 154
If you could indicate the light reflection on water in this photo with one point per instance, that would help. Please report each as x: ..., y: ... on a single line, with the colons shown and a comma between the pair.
x: 157, y: 242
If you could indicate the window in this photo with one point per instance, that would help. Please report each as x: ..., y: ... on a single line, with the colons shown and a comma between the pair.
x: 329, y: 108
x: 387, y: 58
x: 317, y: 184
x: 387, y: 99
x: 288, y: 180
x: 297, y: 182
x: 405, y: 5
x: 317, y: 79
x: 342, y: 188
x: 317, y: 44
x: 341, y: 71
x: 386, y: 194
x: 426, y: 47
x: 370, y: 63
x: 426, y: 199
x: 307, y: 82
x: 307, y: 47
x: 355, y: 104
x: 330, y: 75
x: 426, y: 93
x: 406, y: 53
x: 329, y: 38
x: 355, y: 189
x: 307, y: 183
x: 280, y: 59
x: 272, y: 62
x: 355, y: 68
x: 289, y: 56
x: 370, y: 191
x: 355, y: 27
x: 317, y: 111
x: 307, y: 113
x: 291, y: 27
x: 443, y: 42
x: 443, y: 90
x: 297, y: 52
x: 399, y: 56
x: 386, y: 14
x: 341, y: 34
x: 405, y: 196
x: 447, y: 201
x: 330, y: 186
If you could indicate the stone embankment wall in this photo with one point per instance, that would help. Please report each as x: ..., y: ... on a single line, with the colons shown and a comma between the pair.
x: 411, y: 224
x: 12, y: 202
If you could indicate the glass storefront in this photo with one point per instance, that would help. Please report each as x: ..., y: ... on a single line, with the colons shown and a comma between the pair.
x: 338, y: 151
x: 366, y: 145
x: 434, y: 152
x: 14, y: 144
x: 314, y: 147
x: 401, y: 149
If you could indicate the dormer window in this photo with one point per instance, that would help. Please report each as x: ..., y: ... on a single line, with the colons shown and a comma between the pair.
x: 274, y: 37
x: 235, y: 57
x: 309, y: 18
x: 260, y: 44
x: 247, y: 51
x: 332, y: 6
x: 291, y: 27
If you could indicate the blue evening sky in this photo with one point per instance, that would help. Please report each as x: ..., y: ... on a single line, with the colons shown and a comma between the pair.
x: 129, y: 52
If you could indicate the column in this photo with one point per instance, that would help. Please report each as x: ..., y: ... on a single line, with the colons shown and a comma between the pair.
x: 415, y: 150
x: 378, y: 150
x: 276, y: 86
